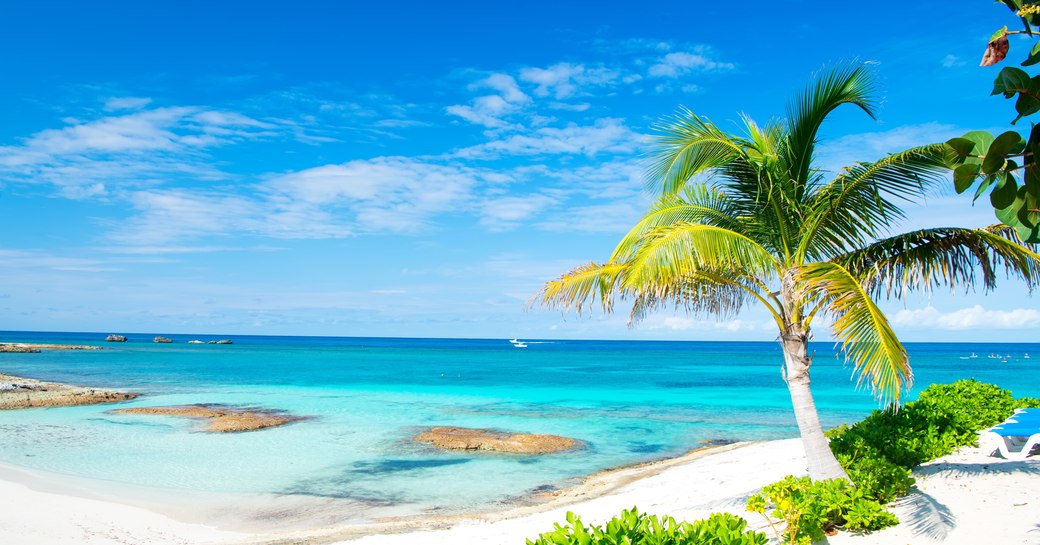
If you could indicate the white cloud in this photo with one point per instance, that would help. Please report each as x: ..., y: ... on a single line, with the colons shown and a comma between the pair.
x: 974, y: 318
x: 951, y: 61
x: 606, y: 135
x: 491, y: 110
x: 126, y: 103
x: 384, y: 194
x: 836, y: 154
x: 84, y: 159
x: 680, y: 63
x: 507, y: 212
x: 565, y: 80
x: 615, y: 218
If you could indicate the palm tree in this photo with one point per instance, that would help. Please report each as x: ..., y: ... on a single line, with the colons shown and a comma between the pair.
x: 745, y: 219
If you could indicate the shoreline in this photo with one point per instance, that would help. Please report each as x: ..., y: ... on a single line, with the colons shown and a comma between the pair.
x: 966, y: 497
x: 18, y: 393
x: 179, y: 517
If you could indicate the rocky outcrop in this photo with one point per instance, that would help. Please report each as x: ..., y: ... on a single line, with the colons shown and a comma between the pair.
x: 221, y: 418
x: 195, y: 341
x: 452, y: 438
x: 162, y: 340
x: 113, y: 338
x: 222, y: 341
x: 27, y: 393
x: 20, y: 348
x: 33, y: 347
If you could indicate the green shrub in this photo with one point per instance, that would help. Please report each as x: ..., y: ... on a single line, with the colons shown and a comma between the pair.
x: 945, y: 417
x: 810, y: 510
x: 877, y: 477
x: 635, y: 528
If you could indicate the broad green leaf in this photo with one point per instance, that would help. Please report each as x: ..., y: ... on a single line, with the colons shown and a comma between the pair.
x: 964, y: 177
x: 986, y: 182
x: 980, y: 142
x: 1028, y: 102
x: 1034, y: 55
x: 1010, y: 80
x: 998, y: 34
x: 1004, y: 194
x: 1005, y: 144
x: 1009, y: 215
x: 1028, y: 234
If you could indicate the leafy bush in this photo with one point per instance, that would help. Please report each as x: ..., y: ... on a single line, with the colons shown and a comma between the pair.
x: 635, y: 528
x: 811, y: 510
x: 944, y: 418
x: 877, y: 477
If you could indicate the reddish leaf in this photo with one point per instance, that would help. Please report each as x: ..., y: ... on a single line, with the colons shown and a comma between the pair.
x: 995, y: 51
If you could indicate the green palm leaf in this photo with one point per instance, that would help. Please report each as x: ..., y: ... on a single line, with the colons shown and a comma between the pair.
x: 694, y: 204
x: 680, y: 250
x: 862, y: 329
x: 948, y: 256
x: 845, y: 85
x: 858, y: 203
x: 686, y: 145
x: 578, y: 290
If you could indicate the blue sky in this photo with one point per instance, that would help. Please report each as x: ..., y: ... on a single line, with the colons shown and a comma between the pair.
x: 417, y: 169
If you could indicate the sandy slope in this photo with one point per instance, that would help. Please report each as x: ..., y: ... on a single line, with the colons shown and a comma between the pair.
x: 966, y: 498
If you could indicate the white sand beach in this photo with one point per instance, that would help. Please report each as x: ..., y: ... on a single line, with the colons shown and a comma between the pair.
x: 966, y: 498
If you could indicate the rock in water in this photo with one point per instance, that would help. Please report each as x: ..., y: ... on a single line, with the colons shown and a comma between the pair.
x: 452, y: 438
x: 115, y: 338
x: 162, y: 340
x: 221, y: 418
x: 195, y: 341
x: 223, y: 341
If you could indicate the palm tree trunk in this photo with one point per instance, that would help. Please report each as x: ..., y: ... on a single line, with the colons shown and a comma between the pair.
x: 822, y: 463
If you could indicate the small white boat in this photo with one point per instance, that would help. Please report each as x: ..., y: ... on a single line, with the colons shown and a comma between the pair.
x: 519, y: 344
x: 514, y: 341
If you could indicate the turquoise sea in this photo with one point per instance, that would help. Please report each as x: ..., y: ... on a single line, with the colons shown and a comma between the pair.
x: 630, y: 401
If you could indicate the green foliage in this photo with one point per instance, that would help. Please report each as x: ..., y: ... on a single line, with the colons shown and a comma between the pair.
x: 1006, y: 165
x: 878, y: 478
x: 944, y: 418
x: 635, y: 528
x: 810, y: 510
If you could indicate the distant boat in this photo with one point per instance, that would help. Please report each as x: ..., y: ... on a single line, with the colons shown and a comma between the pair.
x: 514, y: 341
x: 1026, y: 357
x: 971, y: 357
x: 519, y: 344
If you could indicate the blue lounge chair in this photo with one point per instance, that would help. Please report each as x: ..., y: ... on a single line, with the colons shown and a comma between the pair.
x: 1018, y: 435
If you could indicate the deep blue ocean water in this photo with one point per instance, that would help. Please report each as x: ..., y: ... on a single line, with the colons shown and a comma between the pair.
x: 630, y: 401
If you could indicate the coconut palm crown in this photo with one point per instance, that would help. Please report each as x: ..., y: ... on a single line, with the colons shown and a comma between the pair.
x: 746, y: 219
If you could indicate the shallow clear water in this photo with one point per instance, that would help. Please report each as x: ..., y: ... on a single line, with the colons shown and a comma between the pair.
x: 629, y: 401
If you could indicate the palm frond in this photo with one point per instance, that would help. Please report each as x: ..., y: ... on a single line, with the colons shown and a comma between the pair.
x: 679, y: 250
x: 686, y: 145
x: 694, y: 204
x: 866, y: 338
x: 578, y: 290
x: 843, y: 85
x: 706, y: 293
x: 859, y: 203
x: 953, y: 257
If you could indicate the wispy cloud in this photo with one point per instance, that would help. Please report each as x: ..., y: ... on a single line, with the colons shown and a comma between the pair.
x: 680, y: 63
x: 606, y: 135
x: 952, y: 61
x: 126, y: 103
x: 970, y: 318
x: 86, y: 158
x: 564, y: 80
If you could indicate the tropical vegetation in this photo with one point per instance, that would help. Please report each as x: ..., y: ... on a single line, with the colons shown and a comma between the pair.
x: 1005, y: 165
x: 879, y: 453
x: 750, y: 218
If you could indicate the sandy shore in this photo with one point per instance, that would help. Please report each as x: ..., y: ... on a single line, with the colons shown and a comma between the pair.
x: 27, y: 393
x: 965, y: 498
